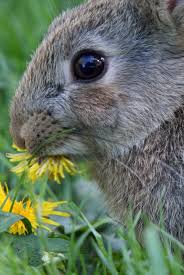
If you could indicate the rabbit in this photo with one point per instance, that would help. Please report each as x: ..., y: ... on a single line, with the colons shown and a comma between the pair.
x: 112, y: 72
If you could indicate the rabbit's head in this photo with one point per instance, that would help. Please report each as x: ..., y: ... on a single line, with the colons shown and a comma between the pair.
x: 107, y: 73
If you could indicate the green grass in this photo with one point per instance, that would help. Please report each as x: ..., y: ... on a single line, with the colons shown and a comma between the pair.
x: 90, y: 242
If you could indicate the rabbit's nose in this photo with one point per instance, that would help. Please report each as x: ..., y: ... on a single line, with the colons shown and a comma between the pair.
x: 39, y: 131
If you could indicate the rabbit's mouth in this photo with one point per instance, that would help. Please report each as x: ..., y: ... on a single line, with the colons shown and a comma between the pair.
x: 72, y: 147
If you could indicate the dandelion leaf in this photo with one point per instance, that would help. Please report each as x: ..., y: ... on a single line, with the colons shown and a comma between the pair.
x: 30, y: 248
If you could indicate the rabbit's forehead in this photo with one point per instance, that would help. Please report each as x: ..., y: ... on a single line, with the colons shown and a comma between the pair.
x: 100, y: 26
x: 79, y: 27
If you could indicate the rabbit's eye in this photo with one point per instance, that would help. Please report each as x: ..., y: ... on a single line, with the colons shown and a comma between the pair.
x: 88, y: 66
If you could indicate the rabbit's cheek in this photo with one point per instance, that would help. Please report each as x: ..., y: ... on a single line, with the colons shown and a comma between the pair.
x: 95, y: 107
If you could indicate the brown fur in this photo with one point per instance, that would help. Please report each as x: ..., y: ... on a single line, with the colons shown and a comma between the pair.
x: 129, y: 123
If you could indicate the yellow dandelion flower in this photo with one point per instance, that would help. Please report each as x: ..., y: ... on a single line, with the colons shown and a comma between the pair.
x: 54, y: 167
x: 30, y: 211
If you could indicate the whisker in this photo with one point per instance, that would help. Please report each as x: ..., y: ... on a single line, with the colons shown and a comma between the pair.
x: 51, y: 139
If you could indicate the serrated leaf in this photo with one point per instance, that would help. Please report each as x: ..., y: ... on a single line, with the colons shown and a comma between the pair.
x: 30, y: 247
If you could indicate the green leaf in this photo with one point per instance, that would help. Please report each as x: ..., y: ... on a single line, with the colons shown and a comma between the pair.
x: 8, y: 219
x: 31, y: 248
x: 27, y: 248
x: 28, y: 225
x: 57, y: 245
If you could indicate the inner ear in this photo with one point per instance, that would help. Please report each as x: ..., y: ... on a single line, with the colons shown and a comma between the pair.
x: 172, y: 4
x: 176, y: 9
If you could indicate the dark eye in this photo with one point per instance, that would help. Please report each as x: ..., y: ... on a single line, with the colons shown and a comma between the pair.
x: 88, y: 65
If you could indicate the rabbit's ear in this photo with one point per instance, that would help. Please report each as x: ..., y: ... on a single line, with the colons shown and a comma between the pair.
x: 176, y: 8
x: 172, y: 4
